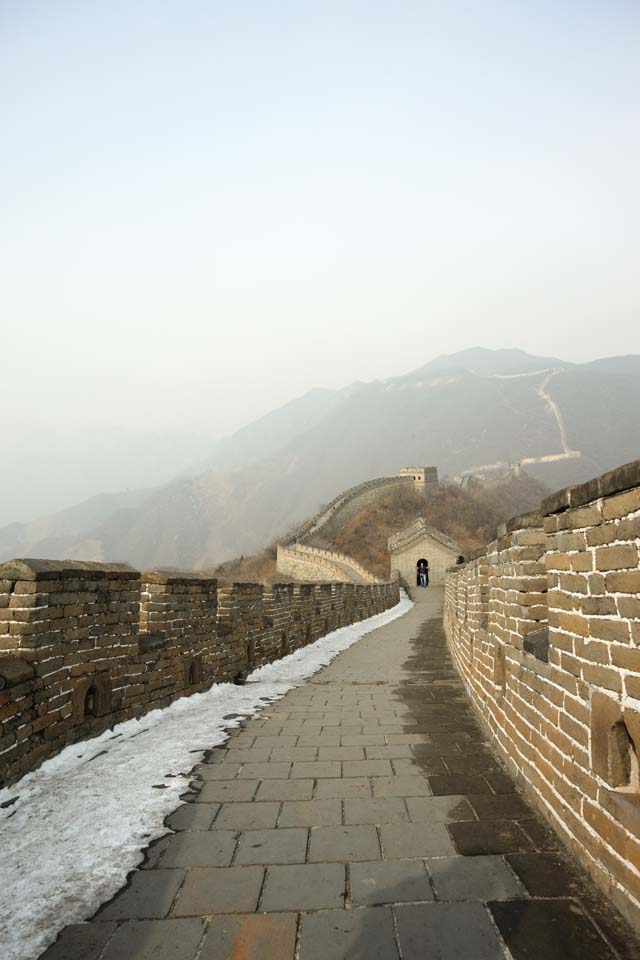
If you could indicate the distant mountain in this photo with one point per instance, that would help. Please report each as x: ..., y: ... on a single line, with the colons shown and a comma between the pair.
x: 487, y: 362
x: 48, y: 471
x: 466, y: 412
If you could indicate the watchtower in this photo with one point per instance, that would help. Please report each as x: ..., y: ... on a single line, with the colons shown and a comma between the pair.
x: 424, y: 478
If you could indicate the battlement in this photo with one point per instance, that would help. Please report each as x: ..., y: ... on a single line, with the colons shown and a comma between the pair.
x: 86, y: 645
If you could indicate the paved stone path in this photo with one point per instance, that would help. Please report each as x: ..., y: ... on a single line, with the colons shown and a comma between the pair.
x: 363, y: 816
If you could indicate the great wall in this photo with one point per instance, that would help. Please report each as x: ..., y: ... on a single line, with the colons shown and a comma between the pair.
x: 87, y: 645
x: 543, y: 625
x: 299, y: 558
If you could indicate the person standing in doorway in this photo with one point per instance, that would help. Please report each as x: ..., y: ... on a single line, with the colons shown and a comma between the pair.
x: 423, y: 573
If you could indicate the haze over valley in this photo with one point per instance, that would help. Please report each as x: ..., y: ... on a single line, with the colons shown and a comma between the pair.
x: 476, y: 411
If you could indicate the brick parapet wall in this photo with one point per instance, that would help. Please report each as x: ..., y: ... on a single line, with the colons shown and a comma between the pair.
x: 556, y: 672
x: 84, y: 646
x: 321, y: 566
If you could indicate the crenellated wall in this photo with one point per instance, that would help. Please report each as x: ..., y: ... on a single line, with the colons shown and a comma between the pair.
x: 84, y: 645
x: 544, y: 626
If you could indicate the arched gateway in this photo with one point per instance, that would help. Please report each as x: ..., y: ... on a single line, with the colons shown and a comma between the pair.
x: 420, y: 541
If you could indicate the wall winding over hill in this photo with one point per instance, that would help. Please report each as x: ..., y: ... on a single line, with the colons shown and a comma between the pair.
x: 299, y: 558
x: 544, y: 626
x: 85, y: 645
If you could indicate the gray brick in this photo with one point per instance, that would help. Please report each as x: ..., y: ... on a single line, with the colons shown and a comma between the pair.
x: 272, y: 846
x: 226, y: 790
x: 193, y: 816
x: 155, y: 940
x: 343, y: 787
x: 411, y: 840
x: 316, y: 769
x: 366, y: 768
x: 253, y: 937
x: 311, y: 813
x: 217, y: 771
x: 400, y: 787
x: 474, y: 878
x: 337, y: 934
x: 282, y: 741
x: 343, y: 844
x: 247, y: 816
x: 264, y: 771
x: 198, y: 849
x: 285, y: 790
x: 363, y: 740
x: 392, y: 752
x: 438, y: 809
x: 446, y: 930
x: 341, y: 753
x: 310, y: 886
x: 223, y: 890
x: 82, y: 941
x: 293, y: 754
x: 395, y: 881
x: 390, y: 810
x: 147, y: 896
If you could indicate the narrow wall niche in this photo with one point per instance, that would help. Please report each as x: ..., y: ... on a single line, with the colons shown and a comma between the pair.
x: 195, y: 672
x: 89, y: 706
x: 92, y: 697
x: 499, y: 666
x: 622, y: 756
x: 284, y: 644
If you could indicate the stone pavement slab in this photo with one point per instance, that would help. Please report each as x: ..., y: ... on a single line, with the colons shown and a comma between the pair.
x: 309, y: 886
x: 250, y: 937
x: 396, y: 881
x: 311, y: 813
x: 363, y: 934
x: 363, y: 816
x: 155, y: 940
x: 447, y: 931
x: 343, y: 844
x: 149, y: 896
x: 208, y: 891
x: 272, y: 846
x: 199, y: 849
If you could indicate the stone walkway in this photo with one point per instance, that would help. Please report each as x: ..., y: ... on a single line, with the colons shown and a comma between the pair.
x: 363, y: 816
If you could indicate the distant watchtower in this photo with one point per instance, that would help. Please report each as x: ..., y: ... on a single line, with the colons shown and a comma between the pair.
x: 424, y: 478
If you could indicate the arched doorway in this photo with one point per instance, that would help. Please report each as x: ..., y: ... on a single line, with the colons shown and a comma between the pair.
x: 422, y: 572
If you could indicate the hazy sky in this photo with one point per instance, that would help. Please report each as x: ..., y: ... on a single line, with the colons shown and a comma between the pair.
x: 209, y: 207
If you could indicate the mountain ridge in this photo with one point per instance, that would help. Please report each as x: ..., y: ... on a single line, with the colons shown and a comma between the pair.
x: 277, y: 470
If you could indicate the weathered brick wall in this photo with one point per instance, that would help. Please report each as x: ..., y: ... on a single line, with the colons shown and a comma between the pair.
x: 319, y: 565
x: 86, y: 645
x: 545, y: 629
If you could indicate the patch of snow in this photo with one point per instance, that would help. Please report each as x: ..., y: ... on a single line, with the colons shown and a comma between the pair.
x: 78, y: 824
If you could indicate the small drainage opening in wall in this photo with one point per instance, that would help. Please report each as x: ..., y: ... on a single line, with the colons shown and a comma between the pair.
x: 195, y: 672
x: 624, y: 772
x: 499, y: 667
x: 89, y: 705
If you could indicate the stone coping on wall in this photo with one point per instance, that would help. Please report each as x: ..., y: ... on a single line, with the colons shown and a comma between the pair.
x: 615, y: 481
x: 174, y: 575
x: 28, y: 569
